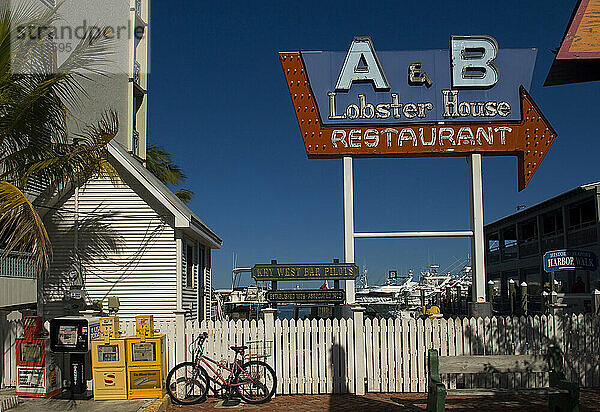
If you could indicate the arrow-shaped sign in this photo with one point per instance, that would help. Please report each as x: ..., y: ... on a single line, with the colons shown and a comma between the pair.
x: 529, y: 138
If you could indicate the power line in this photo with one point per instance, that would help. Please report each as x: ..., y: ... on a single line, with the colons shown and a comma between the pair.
x: 102, y: 214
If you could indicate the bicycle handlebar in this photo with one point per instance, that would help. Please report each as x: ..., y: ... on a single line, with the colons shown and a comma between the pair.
x: 201, y: 338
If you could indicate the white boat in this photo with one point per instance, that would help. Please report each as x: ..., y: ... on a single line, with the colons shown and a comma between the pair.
x: 404, y: 297
x: 239, y: 302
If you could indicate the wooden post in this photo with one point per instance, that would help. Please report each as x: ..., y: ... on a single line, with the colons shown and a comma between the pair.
x: 490, y: 293
x: 458, y: 300
x: 448, y: 299
x: 360, y: 376
x: 553, y: 302
x: 269, y: 316
x: 180, y: 342
x: 546, y: 302
x: 423, y: 297
x: 596, y: 301
x: 273, y: 287
x: 512, y: 294
x: 524, y: 298
x: 337, y: 309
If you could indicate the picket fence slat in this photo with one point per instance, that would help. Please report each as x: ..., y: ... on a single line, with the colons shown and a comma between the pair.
x: 319, y: 362
x: 392, y: 365
x: 369, y: 355
x: 398, y: 354
x: 406, y: 380
x: 277, y: 351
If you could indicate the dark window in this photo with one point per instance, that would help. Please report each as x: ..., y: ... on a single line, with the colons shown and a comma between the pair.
x: 528, y: 230
x: 189, y: 267
x: 582, y: 214
x: 493, y: 242
x: 201, y: 283
x: 509, y: 237
x: 552, y: 223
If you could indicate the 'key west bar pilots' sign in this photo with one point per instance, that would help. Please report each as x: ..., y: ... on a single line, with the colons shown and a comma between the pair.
x: 472, y: 98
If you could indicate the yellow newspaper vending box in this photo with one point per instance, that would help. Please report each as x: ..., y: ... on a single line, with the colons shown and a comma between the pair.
x: 146, y: 361
x: 108, y: 362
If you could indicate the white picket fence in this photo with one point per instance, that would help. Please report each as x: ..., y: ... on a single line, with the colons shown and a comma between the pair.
x: 385, y: 355
x: 311, y: 356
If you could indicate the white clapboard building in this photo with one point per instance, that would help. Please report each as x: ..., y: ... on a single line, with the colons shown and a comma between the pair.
x: 135, y: 240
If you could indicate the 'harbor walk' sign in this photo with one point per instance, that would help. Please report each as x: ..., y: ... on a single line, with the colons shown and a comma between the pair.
x: 570, y: 260
x: 472, y: 98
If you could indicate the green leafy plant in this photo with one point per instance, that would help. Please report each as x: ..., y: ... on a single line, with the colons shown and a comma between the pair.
x: 161, y: 165
x: 35, y: 144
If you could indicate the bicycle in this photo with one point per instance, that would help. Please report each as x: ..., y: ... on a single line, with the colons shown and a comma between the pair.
x: 188, y: 382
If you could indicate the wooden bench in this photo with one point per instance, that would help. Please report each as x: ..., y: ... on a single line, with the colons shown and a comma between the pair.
x: 563, y: 395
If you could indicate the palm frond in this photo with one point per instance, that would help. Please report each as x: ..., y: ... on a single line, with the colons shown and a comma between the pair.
x: 35, y: 95
x: 62, y: 164
x: 21, y: 229
x: 184, y: 195
x: 35, y: 101
x: 160, y: 164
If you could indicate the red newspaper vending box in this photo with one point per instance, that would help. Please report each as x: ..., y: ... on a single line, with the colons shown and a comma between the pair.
x: 38, y: 374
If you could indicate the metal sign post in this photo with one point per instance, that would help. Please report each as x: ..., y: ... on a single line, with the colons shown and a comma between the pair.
x: 477, y: 240
x: 476, y: 232
x: 349, y: 224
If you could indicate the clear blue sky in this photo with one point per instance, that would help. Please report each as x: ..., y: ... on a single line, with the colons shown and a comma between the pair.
x: 220, y: 105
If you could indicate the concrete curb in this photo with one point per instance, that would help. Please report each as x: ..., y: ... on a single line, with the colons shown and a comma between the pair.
x: 9, y: 403
x: 159, y: 405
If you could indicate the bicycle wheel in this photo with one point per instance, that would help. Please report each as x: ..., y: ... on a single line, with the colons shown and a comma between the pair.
x: 257, y: 382
x: 187, y: 384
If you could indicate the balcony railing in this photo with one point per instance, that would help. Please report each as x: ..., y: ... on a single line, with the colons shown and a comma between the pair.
x: 15, y: 265
x: 135, y: 143
x: 137, y: 72
x: 553, y: 242
x: 493, y: 256
x: 582, y: 237
x: 528, y: 248
x: 509, y: 252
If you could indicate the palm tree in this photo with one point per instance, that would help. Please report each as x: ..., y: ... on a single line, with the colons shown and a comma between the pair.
x: 35, y: 143
x: 160, y: 164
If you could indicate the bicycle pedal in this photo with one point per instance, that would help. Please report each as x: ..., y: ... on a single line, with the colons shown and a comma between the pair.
x: 229, y: 402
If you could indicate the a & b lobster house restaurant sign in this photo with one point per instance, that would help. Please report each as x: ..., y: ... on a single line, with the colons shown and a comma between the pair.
x: 471, y: 98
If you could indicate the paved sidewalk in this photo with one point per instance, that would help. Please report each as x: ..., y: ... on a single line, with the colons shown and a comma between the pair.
x: 386, y: 402
x: 61, y: 405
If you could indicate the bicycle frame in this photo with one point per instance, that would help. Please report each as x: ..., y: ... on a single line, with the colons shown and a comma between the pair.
x: 236, y: 366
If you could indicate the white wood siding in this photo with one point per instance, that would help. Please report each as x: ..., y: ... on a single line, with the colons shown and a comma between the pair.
x: 17, y: 291
x: 126, y: 250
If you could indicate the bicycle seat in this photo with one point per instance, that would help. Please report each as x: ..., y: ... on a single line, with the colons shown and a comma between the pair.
x: 238, y: 348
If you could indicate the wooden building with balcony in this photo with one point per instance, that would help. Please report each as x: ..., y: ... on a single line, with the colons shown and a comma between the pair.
x: 515, y: 244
